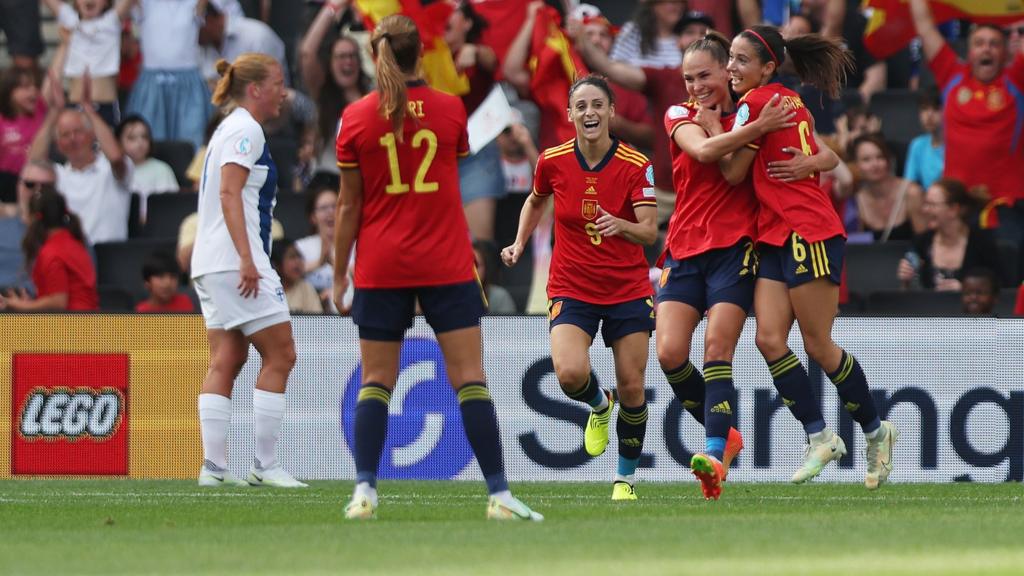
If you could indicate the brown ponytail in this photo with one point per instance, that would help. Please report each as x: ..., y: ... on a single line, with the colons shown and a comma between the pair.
x: 235, y: 77
x: 396, y: 48
x: 818, y: 60
x: 713, y: 43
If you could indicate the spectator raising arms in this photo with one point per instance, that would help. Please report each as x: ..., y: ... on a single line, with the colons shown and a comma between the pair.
x: 62, y: 269
x: 94, y: 49
x: 94, y: 184
x: 333, y: 76
x: 22, y: 112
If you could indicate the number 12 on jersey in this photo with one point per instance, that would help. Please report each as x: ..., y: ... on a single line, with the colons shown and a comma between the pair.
x: 420, y: 184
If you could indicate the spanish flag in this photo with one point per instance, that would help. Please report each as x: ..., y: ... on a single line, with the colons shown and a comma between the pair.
x: 890, y: 27
x: 554, y: 66
x: 438, y: 65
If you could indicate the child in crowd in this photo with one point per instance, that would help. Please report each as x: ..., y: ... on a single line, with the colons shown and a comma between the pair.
x: 926, y: 154
x: 980, y: 292
x: 291, y: 267
x: 151, y: 176
x: 94, y: 49
x: 161, y: 276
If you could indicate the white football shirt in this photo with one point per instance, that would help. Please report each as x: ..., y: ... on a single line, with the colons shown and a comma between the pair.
x: 238, y: 140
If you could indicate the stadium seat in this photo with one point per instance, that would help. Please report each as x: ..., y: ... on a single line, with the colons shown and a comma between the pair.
x: 164, y: 213
x: 1006, y: 302
x: 872, y: 267
x: 119, y: 264
x: 850, y: 98
x: 290, y: 211
x: 915, y: 303
x: 115, y: 299
x: 898, y: 111
x: 178, y: 154
x: 284, y: 152
x: 1009, y: 257
x: 134, y: 216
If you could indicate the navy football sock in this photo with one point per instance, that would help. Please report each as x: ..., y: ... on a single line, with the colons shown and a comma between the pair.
x: 371, y: 427
x: 688, y: 385
x: 481, y: 425
x: 795, y: 390
x: 852, y: 386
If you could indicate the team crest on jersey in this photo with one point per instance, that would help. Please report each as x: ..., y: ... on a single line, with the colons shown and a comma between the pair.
x: 963, y: 95
x: 554, y: 309
x: 244, y: 146
x: 996, y: 101
x: 664, y: 277
x: 742, y: 115
x: 589, y: 209
x: 676, y: 112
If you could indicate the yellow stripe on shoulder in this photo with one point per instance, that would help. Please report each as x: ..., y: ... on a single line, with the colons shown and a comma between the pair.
x: 644, y: 203
x: 632, y: 160
x: 563, y: 146
x: 632, y: 152
x: 548, y: 154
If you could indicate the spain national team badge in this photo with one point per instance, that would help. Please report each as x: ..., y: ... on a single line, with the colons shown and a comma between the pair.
x: 996, y: 101
x: 589, y: 209
x: 664, y: 277
x: 963, y: 95
x: 554, y: 309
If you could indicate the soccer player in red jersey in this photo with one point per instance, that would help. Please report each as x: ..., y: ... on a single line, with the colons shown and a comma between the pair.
x: 399, y: 203
x: 801, y: 242
x: 710, y: 261
x: 604, y: 211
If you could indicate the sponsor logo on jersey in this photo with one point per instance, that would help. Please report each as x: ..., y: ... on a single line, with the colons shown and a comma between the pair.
x: 71, y: 414
x: 676, y: 112
x: 590, y: 190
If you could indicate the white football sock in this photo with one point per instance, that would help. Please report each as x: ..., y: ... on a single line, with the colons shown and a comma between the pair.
x: 268, y: 411
x: 214, y: 417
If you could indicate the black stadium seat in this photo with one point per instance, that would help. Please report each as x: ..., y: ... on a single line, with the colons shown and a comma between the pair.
x: 872, y: 267
x: 164, y: 213
x: 898, y: 111
x: 115, y: 299
x: 119, y: 264
x: 1006, y: 302
x: 290, y: 211
x: 178, y: 154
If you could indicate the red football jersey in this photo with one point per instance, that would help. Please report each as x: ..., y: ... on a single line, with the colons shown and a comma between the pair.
x: 585, y: 265
x: 709, y: 212
x: 64, y: 266
x: 412, y: 231
x: 983, y: 125
x: 802, y: 206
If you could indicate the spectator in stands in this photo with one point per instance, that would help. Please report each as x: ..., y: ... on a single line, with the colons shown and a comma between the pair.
x: 317, y: 249
x: 332, y: 73
x: 291, y: 267
x: 731, y: 16
x: 150, y: 176
x: 62, y: 269
x: 1014, y: 36
x: 94, y: 49
x: 22, y: 111
x: 925, y: 156
x: 95, y: 185
x: 518, y: 158
x: 499, y: 301
x: 983, y: 111
x: 663, y: 87
x: 161, y: 278
x: 651, y: 38
x: 950, y: 246
x: 887, y: 206
x: 19, y: 21
x: 855, y: 122
x: 170, y: 93
x: 226, y: 36
x: 980, y: 292
x: 14, y: 218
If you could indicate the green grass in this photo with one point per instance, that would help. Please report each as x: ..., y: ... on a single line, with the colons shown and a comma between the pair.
x: 174, y: 527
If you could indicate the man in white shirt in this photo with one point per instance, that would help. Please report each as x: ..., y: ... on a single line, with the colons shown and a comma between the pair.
x: 95, y: 184
x: 225, y: 35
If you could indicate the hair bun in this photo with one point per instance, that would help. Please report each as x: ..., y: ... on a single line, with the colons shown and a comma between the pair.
x: 223, y: 66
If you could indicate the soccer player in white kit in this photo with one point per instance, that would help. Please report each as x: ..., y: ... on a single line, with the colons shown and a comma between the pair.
x: 239, y: 292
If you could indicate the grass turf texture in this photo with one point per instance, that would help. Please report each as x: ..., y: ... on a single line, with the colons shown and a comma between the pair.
x: 170, y: 527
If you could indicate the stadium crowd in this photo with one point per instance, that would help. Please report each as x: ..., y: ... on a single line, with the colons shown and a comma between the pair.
x: 929, y: 189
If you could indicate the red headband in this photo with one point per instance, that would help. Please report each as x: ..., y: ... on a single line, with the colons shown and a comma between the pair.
x: 770, y: 51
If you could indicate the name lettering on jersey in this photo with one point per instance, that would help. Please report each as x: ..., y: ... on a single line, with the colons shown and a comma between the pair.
x: 589, y: 209
x: 792, y: 102
x: 416, y: 108
x: 590, y: 190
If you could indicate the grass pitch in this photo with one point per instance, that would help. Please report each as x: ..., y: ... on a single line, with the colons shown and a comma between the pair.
x: 109, y: 527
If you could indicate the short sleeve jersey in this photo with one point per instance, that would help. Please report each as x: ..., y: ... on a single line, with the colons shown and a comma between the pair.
x: 64, y: 266
x: 412, y: 231
x: 983, y: 124
x: 585, y: 265
x: 709, y: 213
x: 238, y: 140
x: 802, y: 206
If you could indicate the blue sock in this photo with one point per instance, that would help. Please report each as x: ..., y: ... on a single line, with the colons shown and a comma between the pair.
x: 630, y: 427
x: 852, y: 386
x: 719, y: 400
x: 688, y: 385
x: 481, y: 425
x: 591, y: 393
x: 795, y: 390
x: 371, y: 427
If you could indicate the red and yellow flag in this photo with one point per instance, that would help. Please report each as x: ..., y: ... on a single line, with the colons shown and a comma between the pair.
x: 554, y: 66
x: 438, y: 65
x: 890, y: 27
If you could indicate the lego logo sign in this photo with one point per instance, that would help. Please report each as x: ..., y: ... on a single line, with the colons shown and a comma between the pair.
x: 70, y: 414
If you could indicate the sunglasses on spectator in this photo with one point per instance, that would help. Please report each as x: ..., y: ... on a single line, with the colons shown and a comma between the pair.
x: 1019, y: 30
x: 34, y: 184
